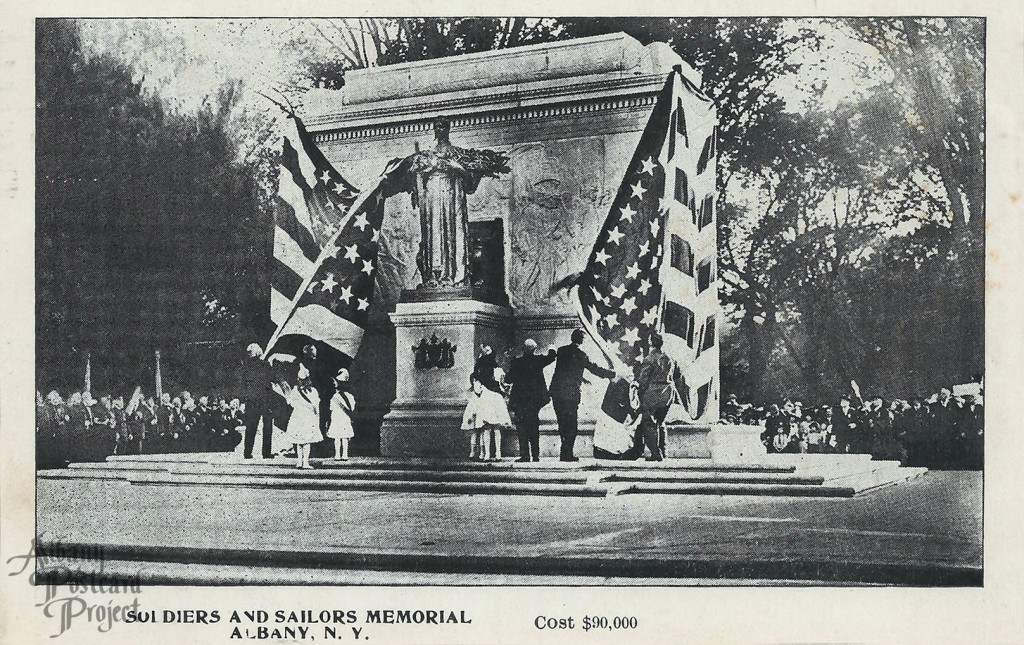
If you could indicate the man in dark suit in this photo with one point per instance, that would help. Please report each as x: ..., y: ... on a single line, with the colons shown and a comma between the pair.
x: 658, y: 379
x: 529, y: 394
x: 571, y: 362
x: 845, y: 426
x: 944, y: 417
x: 255, y: 379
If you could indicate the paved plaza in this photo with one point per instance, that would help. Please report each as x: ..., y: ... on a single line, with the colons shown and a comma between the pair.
x: 927, y: 531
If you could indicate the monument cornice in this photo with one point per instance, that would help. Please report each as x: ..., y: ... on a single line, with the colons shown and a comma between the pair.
x: 520, y: 102
x: 547, y: 322
x: 449, y: 313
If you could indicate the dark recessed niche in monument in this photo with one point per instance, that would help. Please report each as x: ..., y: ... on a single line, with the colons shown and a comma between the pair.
x: 487, y: 261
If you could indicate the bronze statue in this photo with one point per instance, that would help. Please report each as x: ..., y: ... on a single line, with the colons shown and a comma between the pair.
x: 443, y: 178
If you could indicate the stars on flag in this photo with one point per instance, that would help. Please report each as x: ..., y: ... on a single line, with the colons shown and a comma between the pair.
x: 329, y: 283
x: 352, y: 253
x: 631, y: 336
x: 346, y: 295
x: 361, y: 221
x: 364, y: 304
x: 624, y: 293
x: 325, y: 177
x: 367, y: 267
x: 614, y: 235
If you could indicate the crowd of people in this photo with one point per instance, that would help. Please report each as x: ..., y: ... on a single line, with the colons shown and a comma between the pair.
x: 940, y: 431
x: 81, y: 427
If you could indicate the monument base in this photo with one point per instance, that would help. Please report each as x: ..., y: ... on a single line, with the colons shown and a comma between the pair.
x: 716, y: 442
x: 437, y: 343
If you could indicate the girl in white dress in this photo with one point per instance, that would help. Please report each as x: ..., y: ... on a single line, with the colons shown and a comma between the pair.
x: 304, y: 424
x: 486, y: 414
x: 343, y: 404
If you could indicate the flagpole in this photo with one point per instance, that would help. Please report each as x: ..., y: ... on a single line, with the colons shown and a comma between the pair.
x: 356, y: 205
x: 159, y: 380
x: 88, y: 372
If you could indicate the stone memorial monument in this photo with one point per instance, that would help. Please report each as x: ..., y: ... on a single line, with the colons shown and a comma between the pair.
x: 470, y: 255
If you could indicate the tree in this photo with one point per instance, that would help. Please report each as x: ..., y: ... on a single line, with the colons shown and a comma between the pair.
x: 937, y: 101
x: 150, y: 232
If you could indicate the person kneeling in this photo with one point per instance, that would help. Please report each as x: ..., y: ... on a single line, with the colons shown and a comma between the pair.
x: 616, y: 434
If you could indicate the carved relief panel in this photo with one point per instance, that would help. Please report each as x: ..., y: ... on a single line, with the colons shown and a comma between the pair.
x: 553, y: 202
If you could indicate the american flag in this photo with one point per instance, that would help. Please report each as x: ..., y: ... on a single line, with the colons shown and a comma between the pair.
x: 326, y: 240
x: 653, y: 267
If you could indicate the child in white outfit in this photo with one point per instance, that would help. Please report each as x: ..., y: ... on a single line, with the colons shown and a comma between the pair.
x: 343, y: 404
x: 486, y: 414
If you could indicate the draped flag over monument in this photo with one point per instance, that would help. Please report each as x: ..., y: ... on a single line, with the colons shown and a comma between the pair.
x: 653, y: 267
x: 325, y: 250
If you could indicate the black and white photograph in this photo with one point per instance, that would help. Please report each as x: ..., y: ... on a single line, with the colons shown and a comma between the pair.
x: 506, y: 303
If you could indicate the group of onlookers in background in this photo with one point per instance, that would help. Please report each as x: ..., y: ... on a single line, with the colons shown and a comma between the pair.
x: 941, y: 431
x: 81, y: 427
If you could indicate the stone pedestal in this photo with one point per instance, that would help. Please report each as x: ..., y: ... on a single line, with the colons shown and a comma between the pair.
x: 721, y: 443
x: 426, y: 417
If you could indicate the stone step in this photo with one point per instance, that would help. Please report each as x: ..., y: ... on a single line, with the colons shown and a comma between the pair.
x: 384, y: 463
x: 495, y: 475
x: 879, y: 478
x: 718, y: 488
x: 375, y: 485
x: 781, y: 475
x: 595, y: 486
x: 714, y: 477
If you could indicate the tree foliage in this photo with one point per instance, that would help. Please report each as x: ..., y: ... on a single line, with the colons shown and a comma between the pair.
x: 150, y: 232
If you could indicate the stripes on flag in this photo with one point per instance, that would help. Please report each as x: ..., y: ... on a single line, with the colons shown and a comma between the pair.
x: 326, y: 239
x: 664, y: 206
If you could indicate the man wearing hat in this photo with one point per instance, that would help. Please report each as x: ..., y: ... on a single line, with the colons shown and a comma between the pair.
x: 572, y: 361
x: 657, y: 380
x: 255, y: 379
x: 529, y: 394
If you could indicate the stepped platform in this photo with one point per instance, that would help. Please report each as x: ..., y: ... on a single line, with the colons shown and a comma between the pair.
x: 770, y: 475
x: 216, y: 520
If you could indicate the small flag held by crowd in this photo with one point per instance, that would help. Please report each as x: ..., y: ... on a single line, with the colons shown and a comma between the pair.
x: 653, y: 266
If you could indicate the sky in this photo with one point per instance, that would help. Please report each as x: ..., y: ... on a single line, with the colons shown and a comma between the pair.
x: 188, y: 60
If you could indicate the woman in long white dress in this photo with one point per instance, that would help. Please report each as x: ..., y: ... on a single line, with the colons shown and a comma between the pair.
x: 304, y: 424
x: 343, y: 404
